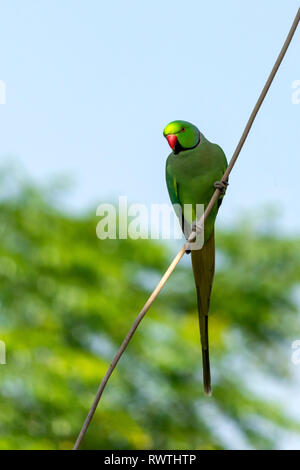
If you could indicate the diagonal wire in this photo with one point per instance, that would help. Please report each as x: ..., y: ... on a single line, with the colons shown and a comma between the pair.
x: 199, y: 227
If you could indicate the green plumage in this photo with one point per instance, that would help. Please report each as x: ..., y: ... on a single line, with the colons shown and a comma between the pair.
x: 191, y: 171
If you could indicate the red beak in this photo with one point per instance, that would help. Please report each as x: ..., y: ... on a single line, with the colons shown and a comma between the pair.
x: 172, y: 140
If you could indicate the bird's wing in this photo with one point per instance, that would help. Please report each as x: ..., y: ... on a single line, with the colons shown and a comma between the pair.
x: 172, y: 186
x: 173, y: 192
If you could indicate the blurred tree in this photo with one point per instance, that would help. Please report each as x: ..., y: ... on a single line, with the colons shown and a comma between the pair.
x: 67, y: 300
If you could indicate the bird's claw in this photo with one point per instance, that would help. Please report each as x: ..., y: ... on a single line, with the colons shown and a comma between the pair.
x: 196, y: 229
x: 221, y: 185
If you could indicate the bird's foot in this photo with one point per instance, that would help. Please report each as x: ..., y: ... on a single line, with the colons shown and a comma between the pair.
x: 196, y: 229
x: 222, y: 186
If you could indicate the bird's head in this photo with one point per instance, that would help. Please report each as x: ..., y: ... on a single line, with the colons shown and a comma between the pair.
x: 181, y: 135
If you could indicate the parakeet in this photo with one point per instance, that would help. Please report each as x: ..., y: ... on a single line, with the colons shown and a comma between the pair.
x: 193, y: 170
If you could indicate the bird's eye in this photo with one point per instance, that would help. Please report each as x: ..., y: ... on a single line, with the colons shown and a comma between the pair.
x: 182, y: 129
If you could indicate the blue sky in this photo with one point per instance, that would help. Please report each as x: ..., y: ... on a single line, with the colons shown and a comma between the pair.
x: 91, y: 84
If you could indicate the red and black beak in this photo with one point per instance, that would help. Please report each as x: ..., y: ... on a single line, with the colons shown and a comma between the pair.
x: 174, y: 143
x: 172, y: 140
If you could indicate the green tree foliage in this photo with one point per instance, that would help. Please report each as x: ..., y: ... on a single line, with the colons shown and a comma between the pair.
x: 67, y: 300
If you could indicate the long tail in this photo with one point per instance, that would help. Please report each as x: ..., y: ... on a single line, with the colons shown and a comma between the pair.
x: 203, y: 262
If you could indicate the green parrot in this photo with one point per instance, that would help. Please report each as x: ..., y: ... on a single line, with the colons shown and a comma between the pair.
x: 193, y: 171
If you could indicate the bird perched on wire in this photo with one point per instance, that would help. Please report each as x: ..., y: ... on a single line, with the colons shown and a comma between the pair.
x: 194, y: 170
